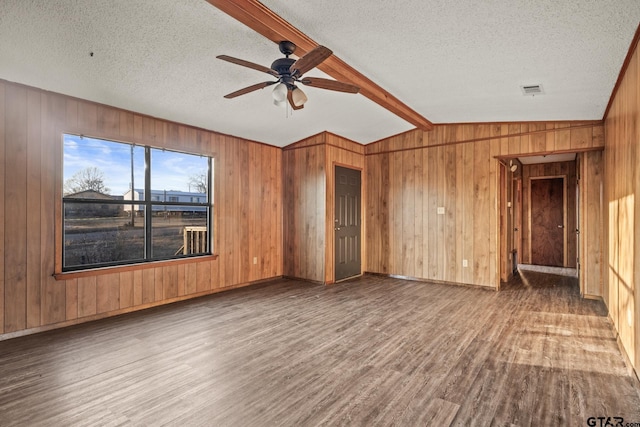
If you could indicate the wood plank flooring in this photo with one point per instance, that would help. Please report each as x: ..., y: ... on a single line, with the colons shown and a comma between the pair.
x: 372, y: 351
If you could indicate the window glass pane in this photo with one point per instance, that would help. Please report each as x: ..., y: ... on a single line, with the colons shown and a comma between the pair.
x: 101, y: 234
x: 95, y: 167
x: 179, y: 230
x: 178, y: 176
x: 101, y: 228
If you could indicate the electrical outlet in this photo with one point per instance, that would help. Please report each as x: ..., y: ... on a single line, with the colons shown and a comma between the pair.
x: 255, y: 260
x: 440, y: 210
x: 465, y: 263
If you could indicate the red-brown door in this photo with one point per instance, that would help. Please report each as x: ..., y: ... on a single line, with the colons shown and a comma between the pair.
x: 547, y: 222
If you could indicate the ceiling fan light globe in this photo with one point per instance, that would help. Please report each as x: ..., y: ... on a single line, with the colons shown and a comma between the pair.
x: 298, y: 97
x: 279, y: 93
x: 279, y: 103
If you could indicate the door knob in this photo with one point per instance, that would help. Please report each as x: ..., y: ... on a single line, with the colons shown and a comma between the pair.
x: 561, y: 226
x: 337, y: 228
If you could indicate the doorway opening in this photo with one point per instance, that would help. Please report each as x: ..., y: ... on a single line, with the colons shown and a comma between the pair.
x: 539, y: 215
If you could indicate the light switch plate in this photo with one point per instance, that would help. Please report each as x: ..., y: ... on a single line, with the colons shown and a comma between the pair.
x: 440, y: 210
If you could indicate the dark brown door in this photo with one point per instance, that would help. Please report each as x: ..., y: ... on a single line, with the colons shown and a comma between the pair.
x: 547, y: 222
x: 347, y: 223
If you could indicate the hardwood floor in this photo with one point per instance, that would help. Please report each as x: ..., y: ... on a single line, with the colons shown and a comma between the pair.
x: 372, y: 351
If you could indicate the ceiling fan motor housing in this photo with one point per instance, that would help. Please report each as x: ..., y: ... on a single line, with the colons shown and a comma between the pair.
x: 282, y: 65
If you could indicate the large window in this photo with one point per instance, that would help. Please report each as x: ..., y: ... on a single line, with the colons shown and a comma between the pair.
x: 127, y: 203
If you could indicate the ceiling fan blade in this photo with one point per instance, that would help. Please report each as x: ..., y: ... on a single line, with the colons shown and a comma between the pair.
x: 311, y: 60
x: 249, y: 89
x: 290, y: 99
x: 248, y: 64
x: 329, y: 84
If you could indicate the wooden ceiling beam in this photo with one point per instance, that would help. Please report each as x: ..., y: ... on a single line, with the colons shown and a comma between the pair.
x: 264, y: 21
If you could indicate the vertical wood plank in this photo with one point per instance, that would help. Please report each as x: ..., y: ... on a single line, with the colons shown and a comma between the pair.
x: 203, y: 276
x: 148, y: 286
x: 170, y: 281
x: 107, y: 293
x: 126, y: 125
x: 15, y: 177
x: 494, y: 250
x: 538, y: 141
x: 191, y: 284
x: 158, y: 283
x: 581, y: 138
x: 563, y: 137
x: 418, y: 200
x: 55, y: 114
x: 87, y: 116
x: 255, y: 196
x: 483, y: 209
x: 550, y: 139
x: 126, y: 289
x: 34, y: 134
x: 244, y: 263
x: 269, y: 248
x: 3, y: 159
x: 71, y: 306
x: 597, y: 136
x: 468, y: 176
x: 137, y: 287
x: 384, y: 222
x: 181, y: 269
x: 86, y: 296
x: 432, y: 216
x: 108, y: 120
x: 514, y: 141
x: 407, y: 212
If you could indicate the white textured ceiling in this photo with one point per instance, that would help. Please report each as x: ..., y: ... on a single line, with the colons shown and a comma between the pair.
x: 451, y: 61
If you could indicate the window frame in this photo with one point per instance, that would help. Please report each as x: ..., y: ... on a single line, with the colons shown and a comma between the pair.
x: 62, y: 273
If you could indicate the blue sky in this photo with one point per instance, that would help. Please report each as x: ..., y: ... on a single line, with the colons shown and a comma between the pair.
x: 170, y: 170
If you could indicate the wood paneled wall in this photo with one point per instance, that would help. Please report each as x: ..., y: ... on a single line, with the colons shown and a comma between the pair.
x: 305, y: 183
x: 248, y: 212
x: 567, y: 170
x: 309, y: 203
x: 271, y: 204
x: 622, y: 210
x: 454, y: 167
x: 590, y: 166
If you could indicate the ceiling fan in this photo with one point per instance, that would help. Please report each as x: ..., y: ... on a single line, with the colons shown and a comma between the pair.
x: 289, y: 71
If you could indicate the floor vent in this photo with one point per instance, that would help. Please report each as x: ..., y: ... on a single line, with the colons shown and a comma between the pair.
x: 532, y: 90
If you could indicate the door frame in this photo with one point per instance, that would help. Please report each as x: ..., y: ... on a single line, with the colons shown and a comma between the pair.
x: 565, y: 254
x: 330, y: 254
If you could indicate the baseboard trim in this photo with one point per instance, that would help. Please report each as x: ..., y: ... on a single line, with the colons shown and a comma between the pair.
x: 436, y: 282
x: 630, y: 368
x: 593, y: 297
x: 106, y: 314
x: 315, y: 282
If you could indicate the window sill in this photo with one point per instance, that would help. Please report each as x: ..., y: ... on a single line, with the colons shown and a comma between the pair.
x: 131, y: 267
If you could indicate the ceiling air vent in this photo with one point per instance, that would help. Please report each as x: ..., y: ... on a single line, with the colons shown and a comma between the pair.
x: 532, y: 90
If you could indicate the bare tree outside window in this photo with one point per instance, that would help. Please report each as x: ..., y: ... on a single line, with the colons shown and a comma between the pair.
x: 198, y: 182
x: 90, y: 178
